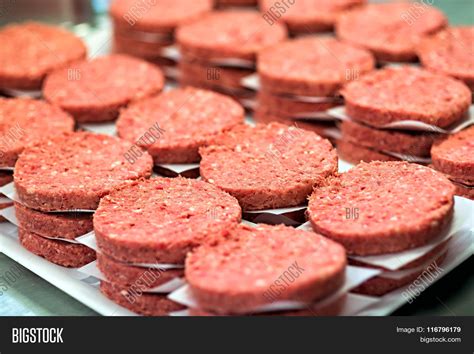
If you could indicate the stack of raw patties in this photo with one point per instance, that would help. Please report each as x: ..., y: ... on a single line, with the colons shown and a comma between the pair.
x: 219, y: 50
x: 382, y: 210
x: 145, y: 231
x: 300, y: 79
x: 145, y: 29
x: 59, y: 182
x: 414, y: 102
x: 235, y: 3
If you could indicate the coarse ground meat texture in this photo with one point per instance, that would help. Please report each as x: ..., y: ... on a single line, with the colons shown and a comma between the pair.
x: 454, y: 155
x: 127, y: 275
x: 30, y: 51
x: 268, y: 166
x: 162, y: 219
x: 247, y: 268
x: 391, y: 31
x: 73, y: 171
x: 450, y: 52
x: 183, y: 120
x: 406, y: 93
x: 228, y: 34
x: 55, y: 225
x: 355, y: 153
x: 94, y: 91
x: 210, y: 74
x: 311, y: 66
x: 380, y: 285
x: 24, y: 121
x: 288, y: 106
x: 141, y: 303
x: 62, y: 253
x: 161, y: 16
x: 382, y: 207
x: 306, y: 16
x: 403, y: 142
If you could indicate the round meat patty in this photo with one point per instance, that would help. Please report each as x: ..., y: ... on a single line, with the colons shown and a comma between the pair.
x: 160, y: 220
x: 406, y: 93
x: 311, y: 66
x: 228, y: 34
x: 157, y: 15
x: 30, y: 51
x: 391, y: 31
x: 58, y: 252
x: 73, y: 171
x: 268, y: 166
x: 354, y: 153
x: 94, y: 91
x: 178, y: 122
x: 25, y: 121
x: 255, y: 266
x: 127, y: 275
x: 138, y: 302
x: 415, y: 144
x: 382, y: 207
x: 54, y: 225
x: 450, y: 52
x: 306, y: 16
x: 454, y: 155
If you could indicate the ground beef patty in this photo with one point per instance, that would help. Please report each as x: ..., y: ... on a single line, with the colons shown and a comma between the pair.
x: 382, y: 207
x: 138, y: 302
x: 406, y: 93
x: 24, y: 121
x: 402, y: 142
x: 268, y: 166
x: 30, y: 51
x: 162, y: 219
x: 58, y: 252
x: 127, y: 275
x: 94, y: 91
x: 187, y: 119
x: 391, y: 31
x: 311, y: 66
x: 454, y: 155
x: 55, y: 225
x: 354, y: 153
x: 75, y: 170
x: 306, y: 16
x: 228, y: 34
x: 156, y: 16
x: 259, y: 265
x: 448, y: 52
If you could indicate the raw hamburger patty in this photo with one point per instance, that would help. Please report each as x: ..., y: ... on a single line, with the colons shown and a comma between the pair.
x: 406, y: 93
x: 24, y: 121
x: 30, y: 51
x: 75, y: 170
x: 94, y: 91
x: 416, y: 144
x: 355, y: 153
x: 306, y: 16
x: 311, y: 66
x: 391, y: 31
x: 454, y: 155
x: 126, y: 275
x: 157, y: 15
x: 382, y: 207
x: 57, y: 225
x: 141, y: 303
x: 268, y: 166
x: 450, y: 52
x: 248, y: 267
x: 186, y: 119
x: 228, y: 34
x: 162, y: 219
x: 142, y: 49
x: 58, y: 252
